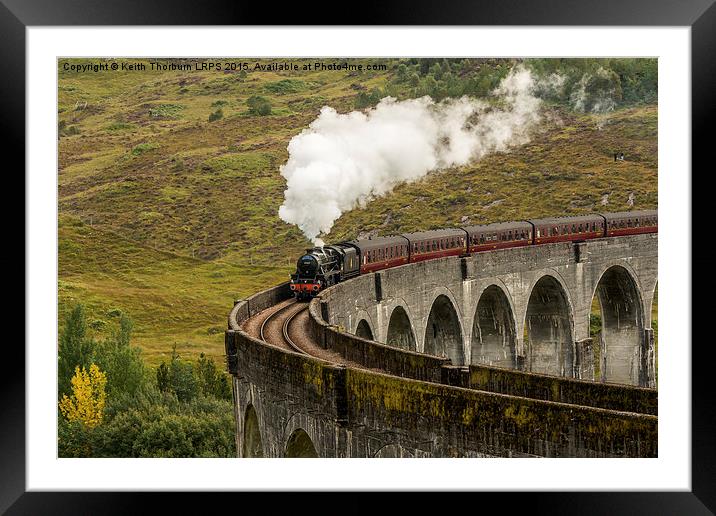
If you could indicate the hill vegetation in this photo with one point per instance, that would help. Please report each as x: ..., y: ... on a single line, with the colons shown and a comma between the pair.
x: 169, y: 182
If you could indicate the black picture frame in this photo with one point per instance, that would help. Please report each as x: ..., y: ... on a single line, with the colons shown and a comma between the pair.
x: 699, y: 15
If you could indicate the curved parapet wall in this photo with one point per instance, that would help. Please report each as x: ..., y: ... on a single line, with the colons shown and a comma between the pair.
x: 373, y: 355
x: 243, y: 309
x: 417, y: 366
x: 419, y: 405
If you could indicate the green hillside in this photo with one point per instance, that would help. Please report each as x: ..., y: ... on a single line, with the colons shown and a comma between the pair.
x: 169, y: 217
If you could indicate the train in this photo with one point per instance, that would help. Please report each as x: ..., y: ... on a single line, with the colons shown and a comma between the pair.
x: 321, y: 267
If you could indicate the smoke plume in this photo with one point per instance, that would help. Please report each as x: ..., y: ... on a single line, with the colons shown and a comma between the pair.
x: 341, y: 161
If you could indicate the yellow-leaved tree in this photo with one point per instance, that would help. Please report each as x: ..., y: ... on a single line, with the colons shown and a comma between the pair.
x: 88, y: 396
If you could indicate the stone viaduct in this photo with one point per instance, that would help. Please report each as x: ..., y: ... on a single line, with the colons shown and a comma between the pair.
x: 479, y: 356
x: 526, y: 308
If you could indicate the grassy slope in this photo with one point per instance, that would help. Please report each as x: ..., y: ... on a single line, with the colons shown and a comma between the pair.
x: 170, y: 217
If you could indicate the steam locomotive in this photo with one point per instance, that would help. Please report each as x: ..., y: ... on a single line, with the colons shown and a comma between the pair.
x: 321, y: 267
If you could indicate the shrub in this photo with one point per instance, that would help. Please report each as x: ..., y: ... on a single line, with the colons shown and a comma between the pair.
x: 259, y: 105
x: 142, y: 148
x: 170, y: 111
x: 285, y: 86
x: 216, y: 115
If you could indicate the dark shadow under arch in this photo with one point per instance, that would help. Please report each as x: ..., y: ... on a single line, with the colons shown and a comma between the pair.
x: 549, y: 343
x: 363, y: 330
x: 622, y: 326
x: 493, y: 330
x: 400, y: 331
x: 443, y: 336
x: 252, y: 445
x: 300, y: 445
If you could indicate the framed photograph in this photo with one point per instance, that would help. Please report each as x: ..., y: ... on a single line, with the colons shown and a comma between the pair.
x: 182, y: 163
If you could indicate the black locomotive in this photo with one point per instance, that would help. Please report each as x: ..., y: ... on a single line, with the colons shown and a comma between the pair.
x: 322, y: 267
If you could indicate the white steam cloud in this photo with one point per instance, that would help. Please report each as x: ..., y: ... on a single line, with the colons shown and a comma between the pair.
x: 596, y: 93
x: 341, y: 161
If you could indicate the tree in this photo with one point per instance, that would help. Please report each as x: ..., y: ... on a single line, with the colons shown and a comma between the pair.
x: 164, y: 378
x: 88, y: 397
x: 178, y: 378
x: 259, y: 105
x: 75, y: 349
x: 211, y: 381
x: 122, y: 362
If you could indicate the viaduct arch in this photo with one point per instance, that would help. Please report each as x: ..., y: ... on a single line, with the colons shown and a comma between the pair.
x: 526, y: 308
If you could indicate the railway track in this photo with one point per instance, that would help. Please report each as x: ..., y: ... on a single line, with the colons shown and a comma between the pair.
x: 283, y: 318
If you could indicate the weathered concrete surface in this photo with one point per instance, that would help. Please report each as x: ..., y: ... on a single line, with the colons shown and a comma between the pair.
x: 288, y: 404
x: 523, y: 308
x: 294, y: 405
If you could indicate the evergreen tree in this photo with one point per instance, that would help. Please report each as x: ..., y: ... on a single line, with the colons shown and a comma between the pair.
x: 75, y: 349
x: 211, y: 381
x: 121, y: 361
